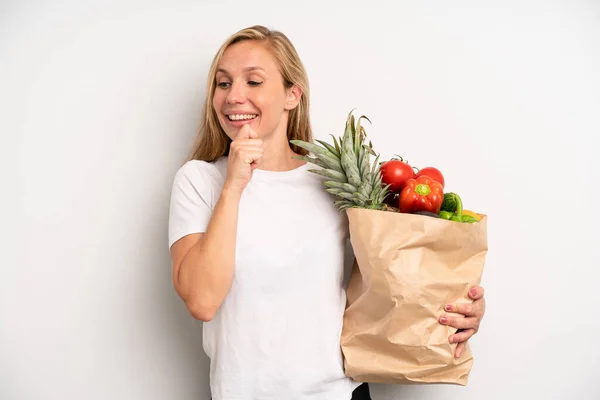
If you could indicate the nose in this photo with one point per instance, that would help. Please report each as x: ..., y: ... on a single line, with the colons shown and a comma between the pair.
x: 236, y: 94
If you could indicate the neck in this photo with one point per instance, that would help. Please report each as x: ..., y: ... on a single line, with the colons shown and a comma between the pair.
x: 278, y: 155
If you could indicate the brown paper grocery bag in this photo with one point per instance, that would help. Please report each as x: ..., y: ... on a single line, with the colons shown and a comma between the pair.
x: 407, y: 267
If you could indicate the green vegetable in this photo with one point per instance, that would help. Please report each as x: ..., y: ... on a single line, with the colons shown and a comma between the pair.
x: 450, y: 202
x: 454, y: 217
x: 468, y: 218
x: 447, y: 215
x: 452, y: 209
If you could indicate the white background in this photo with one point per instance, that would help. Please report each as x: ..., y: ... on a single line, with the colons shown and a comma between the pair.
x: 99, y: 105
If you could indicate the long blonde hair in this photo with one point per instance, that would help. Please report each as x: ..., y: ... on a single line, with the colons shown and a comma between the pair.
x: 211, y: 140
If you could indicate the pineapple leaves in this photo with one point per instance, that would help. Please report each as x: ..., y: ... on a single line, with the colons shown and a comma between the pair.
x: 337, y: 146
x: 341, y: 185
x: 346, y: 166
x: 333, y: 150
x: 323, y: 154
x: 343, y: 204
x: 349, y: 164
x: 311, y: 160
x: 359, y: 134
x: 340, y: 193
x: 329, y: 173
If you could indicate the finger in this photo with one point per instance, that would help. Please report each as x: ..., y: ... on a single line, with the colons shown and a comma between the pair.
x: 459, y: 349
x: 246, y: 132
x: 252, y: 133
x: 476, y: 292
x: 243, y: 133
x: 474, y: 309
x: 256, y: 157
x: 460, y: 322
x: 249, y: 142
x: 468, y: 309
x: 247, y: 153
x: 251, y: 156
x: 255, y: 163
x: 238, y: 149
x: 462, y: 336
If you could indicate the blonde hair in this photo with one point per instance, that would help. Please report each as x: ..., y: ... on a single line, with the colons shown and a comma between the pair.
x: 211, y: 140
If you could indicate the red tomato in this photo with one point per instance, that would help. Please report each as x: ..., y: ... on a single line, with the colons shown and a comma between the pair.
x: 433, y: 173
x: 395, y: 173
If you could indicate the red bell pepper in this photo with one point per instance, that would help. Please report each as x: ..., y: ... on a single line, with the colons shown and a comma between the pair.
x: 421, y: 194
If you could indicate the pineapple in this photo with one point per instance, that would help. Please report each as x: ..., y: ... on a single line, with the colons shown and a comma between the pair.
x: 347, y: 167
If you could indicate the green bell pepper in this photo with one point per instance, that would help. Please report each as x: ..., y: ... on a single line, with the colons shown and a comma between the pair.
x: 452, y: 209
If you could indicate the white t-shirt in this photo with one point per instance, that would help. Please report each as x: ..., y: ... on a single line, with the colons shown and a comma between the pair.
x: 277, y: 334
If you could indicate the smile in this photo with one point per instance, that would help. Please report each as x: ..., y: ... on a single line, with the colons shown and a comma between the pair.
x: 241, y: 117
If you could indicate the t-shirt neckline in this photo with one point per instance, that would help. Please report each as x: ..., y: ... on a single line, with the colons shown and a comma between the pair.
x: 266, y: 174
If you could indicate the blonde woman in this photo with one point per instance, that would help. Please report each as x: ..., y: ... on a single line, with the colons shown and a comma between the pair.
x: 257, y: 245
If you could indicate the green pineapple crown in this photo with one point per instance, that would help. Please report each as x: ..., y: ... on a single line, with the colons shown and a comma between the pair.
x: 347, y: 166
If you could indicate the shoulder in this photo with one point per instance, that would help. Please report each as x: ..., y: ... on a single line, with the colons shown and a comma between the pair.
x: 198, y: 173
x: 199, y: 167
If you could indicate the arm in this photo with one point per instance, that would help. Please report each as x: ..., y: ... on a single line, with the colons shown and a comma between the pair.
x: 203, y: 263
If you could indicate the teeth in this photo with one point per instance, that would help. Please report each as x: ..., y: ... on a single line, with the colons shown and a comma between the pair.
x: 241, y: 117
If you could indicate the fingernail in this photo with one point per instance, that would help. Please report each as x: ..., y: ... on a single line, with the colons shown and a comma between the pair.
x: 473, y: 292
x: 451, y: 339
x: 443, y: 320
x: 448, y: 307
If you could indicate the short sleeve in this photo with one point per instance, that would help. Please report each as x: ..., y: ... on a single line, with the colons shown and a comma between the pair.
x: 190, y: 207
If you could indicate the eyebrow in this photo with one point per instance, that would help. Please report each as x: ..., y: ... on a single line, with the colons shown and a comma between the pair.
x: 247, y: 69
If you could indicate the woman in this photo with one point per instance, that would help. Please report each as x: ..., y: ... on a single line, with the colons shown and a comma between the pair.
x: 257, y: 245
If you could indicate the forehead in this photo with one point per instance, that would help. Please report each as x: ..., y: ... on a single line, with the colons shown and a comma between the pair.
x: 247, y: 55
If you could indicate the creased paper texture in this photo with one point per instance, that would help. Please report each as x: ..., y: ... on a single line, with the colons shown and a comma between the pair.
x: 407, y: 267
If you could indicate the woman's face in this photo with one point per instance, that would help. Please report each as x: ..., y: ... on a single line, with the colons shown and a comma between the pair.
x: 250, y: 90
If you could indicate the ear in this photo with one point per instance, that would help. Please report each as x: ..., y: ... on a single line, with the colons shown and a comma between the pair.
x: 293, y: 96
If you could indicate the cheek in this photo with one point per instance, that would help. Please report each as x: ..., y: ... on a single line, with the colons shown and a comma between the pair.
x: 270, y: 103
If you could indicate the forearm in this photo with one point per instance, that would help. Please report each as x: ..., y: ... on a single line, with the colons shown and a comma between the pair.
x: 206, y: 272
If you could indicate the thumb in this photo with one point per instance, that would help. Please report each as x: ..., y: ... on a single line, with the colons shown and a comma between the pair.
x: 246, y: 133
x: 251, y: 133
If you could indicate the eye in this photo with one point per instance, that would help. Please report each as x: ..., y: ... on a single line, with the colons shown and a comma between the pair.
x: 254, y: 83
x: 223, y: 85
